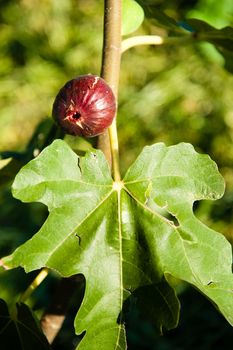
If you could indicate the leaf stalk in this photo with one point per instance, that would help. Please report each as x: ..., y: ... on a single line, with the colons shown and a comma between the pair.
x: 35, y: 283
x: 153, y: 40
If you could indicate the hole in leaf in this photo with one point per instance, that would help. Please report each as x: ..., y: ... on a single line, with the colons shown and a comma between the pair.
x: 172, y: 218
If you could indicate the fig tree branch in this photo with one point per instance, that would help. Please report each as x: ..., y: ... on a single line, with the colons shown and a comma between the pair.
x: 110, y: 71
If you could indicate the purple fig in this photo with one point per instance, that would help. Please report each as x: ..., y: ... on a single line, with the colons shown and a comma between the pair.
x: 85, y: 106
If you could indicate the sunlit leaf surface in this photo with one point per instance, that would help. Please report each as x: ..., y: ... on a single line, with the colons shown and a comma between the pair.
x: 126, y: 238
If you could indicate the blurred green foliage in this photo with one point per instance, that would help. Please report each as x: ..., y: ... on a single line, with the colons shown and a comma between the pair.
x: 169, y: 93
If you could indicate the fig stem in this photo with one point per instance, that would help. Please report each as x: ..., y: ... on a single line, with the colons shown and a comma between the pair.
x: 110, y: 71
x: 114, y: 150
x: 35, y: 283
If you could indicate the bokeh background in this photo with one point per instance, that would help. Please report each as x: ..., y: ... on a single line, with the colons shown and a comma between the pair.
x: 172, y: 94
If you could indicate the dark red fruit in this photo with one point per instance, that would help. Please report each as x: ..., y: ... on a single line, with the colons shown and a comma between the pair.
x: 85, y: 106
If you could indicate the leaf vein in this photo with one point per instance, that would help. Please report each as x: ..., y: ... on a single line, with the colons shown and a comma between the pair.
x: 80, y: 223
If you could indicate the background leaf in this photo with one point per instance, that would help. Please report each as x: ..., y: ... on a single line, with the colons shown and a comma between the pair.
x: 216, y: 13
x: 8, y: 169
x: 222, y: 39
x: 127, y: 239
x: 20, y: 331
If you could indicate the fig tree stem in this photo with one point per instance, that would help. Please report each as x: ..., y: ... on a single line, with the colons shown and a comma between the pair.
x: 110, y: 72
x: 35, y: 283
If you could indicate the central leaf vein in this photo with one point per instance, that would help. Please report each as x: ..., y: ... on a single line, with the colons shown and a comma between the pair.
x: 121, y: 265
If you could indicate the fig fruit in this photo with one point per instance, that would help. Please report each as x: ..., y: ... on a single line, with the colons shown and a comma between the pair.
x: 85, y: 106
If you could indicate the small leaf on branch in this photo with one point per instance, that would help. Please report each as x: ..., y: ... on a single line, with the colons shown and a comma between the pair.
x: 132, y: 16
x: 126, y: 239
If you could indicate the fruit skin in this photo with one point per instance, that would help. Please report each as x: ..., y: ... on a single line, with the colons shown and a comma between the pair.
x: 85, y: 106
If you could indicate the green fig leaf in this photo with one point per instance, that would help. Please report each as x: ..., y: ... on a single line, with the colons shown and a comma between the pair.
x: 127, y: 238
x: 132, y: 16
